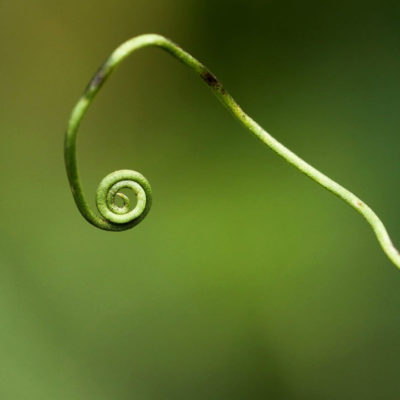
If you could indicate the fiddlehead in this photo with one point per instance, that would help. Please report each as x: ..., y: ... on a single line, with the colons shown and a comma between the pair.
x: 117, y: 218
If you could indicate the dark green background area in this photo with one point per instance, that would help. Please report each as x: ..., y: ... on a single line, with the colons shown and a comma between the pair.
x: 246, y: 280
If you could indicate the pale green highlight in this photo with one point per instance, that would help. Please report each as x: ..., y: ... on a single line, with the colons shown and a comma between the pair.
x: 117, y: 218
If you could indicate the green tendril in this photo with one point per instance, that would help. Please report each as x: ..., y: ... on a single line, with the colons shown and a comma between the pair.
x: 115, y: 217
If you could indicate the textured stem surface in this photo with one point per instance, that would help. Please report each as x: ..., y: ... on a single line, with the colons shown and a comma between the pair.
x: 116, y: 218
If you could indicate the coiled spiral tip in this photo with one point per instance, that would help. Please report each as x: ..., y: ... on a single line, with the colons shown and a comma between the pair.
x: 108, y: 192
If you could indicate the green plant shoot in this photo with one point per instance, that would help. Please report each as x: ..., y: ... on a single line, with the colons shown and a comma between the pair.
x: 114, y: 217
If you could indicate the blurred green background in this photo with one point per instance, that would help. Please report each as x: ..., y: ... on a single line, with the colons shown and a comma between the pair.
x: 247, y: 281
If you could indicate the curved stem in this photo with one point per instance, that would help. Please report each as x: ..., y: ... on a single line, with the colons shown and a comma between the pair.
x: 108, y: 191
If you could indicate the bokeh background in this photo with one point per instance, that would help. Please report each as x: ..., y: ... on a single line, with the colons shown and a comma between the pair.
x: 246, y: 280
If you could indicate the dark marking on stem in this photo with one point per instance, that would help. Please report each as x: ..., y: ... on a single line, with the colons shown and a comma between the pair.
x: 360, y: 203
x: 98, y: 79
x: 212, y: 81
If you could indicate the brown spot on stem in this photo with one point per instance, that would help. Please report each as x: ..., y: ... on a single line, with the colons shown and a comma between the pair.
x: 210, y: 79
x: 360, y: 203
x: 98, y: 79
x: 213, y: 82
